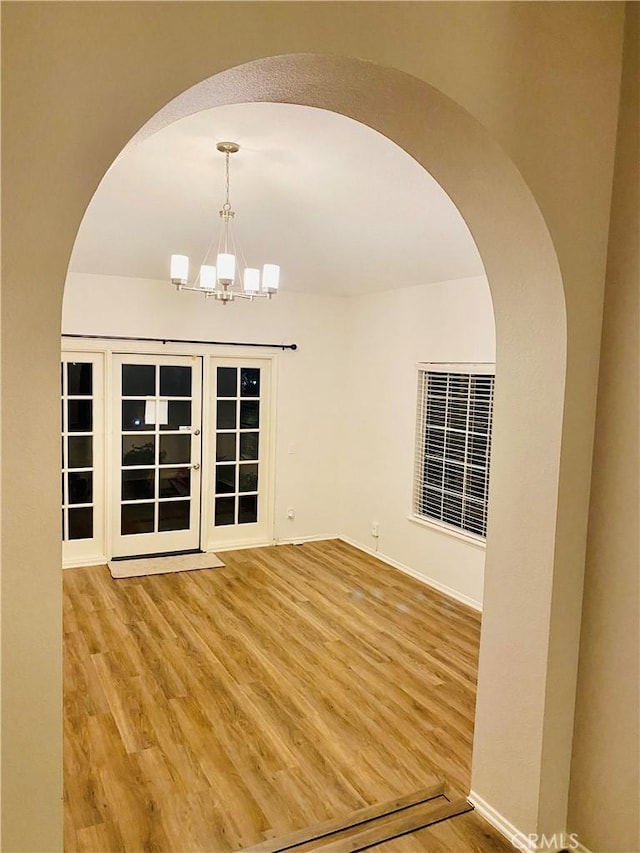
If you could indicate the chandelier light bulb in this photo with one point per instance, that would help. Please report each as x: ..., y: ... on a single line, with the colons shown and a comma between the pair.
x: 179, y: 269
x: 270, y: 278
x: 208, y: 279
x: 226, y: 266
x: 251, y: 280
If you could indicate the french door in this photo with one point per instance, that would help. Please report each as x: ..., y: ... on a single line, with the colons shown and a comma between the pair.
x: 157, y: 424
x: 239, y: 505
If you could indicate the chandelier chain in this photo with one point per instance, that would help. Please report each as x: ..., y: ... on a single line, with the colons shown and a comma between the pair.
x: 227, y: 204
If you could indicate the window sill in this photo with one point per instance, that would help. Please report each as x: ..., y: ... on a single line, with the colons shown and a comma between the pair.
x: 450, y: 531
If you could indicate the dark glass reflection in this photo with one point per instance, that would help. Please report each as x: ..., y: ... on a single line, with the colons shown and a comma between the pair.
x: 138, y: 449
x: 138, y: 380
x: 136, y: 518
x: 250, y: 382
x: 81, y: 523
x: 175, y: 449
x: 179, y: 414
x: 79, y: 379
x: 173, y: 515
x: 80, y: 487
x: 138, y: 484
x: 133, y: 415
x: 248, y: 479
x: 175, y: 482
x: 225, y: 479
x: 249, y: 414
x: 225, y: 511
x: 247, y: 509
x: 175, y: 381
x: 80, y: 414
x: 226, y: 447
x: 226, y: 414
x: 249, y: 445
x: 80, y: 451
x: 227, y: 382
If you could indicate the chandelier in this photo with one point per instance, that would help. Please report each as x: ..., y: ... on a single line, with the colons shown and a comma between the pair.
x: 222, y: 281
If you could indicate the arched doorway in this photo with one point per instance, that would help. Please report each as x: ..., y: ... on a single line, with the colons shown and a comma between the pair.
x: 522, y: 693
x: 517, y: 663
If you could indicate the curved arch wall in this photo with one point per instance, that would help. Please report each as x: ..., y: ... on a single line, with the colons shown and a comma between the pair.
x: 533, y: 185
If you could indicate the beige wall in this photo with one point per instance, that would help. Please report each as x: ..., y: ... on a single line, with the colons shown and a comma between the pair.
x: 79, y: 79
x: 388, y: 334
x: 605, y: 786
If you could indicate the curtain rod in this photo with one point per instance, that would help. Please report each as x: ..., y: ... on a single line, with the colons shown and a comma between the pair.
x: 179, y: 341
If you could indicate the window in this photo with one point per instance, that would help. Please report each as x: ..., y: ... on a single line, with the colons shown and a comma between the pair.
x: 453, y: 443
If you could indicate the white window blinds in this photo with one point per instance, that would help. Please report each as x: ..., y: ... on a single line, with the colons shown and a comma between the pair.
x: 453, y: 443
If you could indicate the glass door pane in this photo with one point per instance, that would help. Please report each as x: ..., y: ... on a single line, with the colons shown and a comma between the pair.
x: 77, y: 450
x: 238, y: 414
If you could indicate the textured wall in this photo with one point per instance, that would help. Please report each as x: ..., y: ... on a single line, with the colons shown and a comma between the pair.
x: 605, y: 784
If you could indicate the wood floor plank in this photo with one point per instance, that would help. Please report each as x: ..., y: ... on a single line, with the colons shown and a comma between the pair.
x: 465, y: 832
x: 394, y: 826
x: 355, y: 819
x: 230, y: 706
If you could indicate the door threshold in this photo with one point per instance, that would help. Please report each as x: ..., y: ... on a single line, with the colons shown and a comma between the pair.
x: 159, y: 554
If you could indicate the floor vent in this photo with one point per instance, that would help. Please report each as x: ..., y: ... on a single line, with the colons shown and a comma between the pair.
x: 371, y: 825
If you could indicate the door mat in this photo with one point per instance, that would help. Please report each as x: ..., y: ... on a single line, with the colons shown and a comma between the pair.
x: 163, y: 565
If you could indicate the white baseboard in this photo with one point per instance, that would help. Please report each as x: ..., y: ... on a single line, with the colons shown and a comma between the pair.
x: 300, y: 540
x: 264, y: 543
x: 434, y: 584
x: 531, y: 843
x: 239, y: 546
x: 86, y: 563
x: 496, y: 820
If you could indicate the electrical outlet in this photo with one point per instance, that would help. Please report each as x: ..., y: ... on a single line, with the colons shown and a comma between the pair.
x: 375, y: 529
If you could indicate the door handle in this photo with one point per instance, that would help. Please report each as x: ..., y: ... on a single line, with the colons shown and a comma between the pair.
x: 196, y: 467
x: 196, y: 432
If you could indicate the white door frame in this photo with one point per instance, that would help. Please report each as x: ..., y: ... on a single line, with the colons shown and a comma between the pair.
x: 157, y: 541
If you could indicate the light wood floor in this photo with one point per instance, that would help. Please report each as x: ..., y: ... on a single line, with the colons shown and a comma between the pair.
x: 205, y: 711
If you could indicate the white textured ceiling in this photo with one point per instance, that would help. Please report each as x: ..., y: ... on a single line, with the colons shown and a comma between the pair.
x: 341, y: 208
